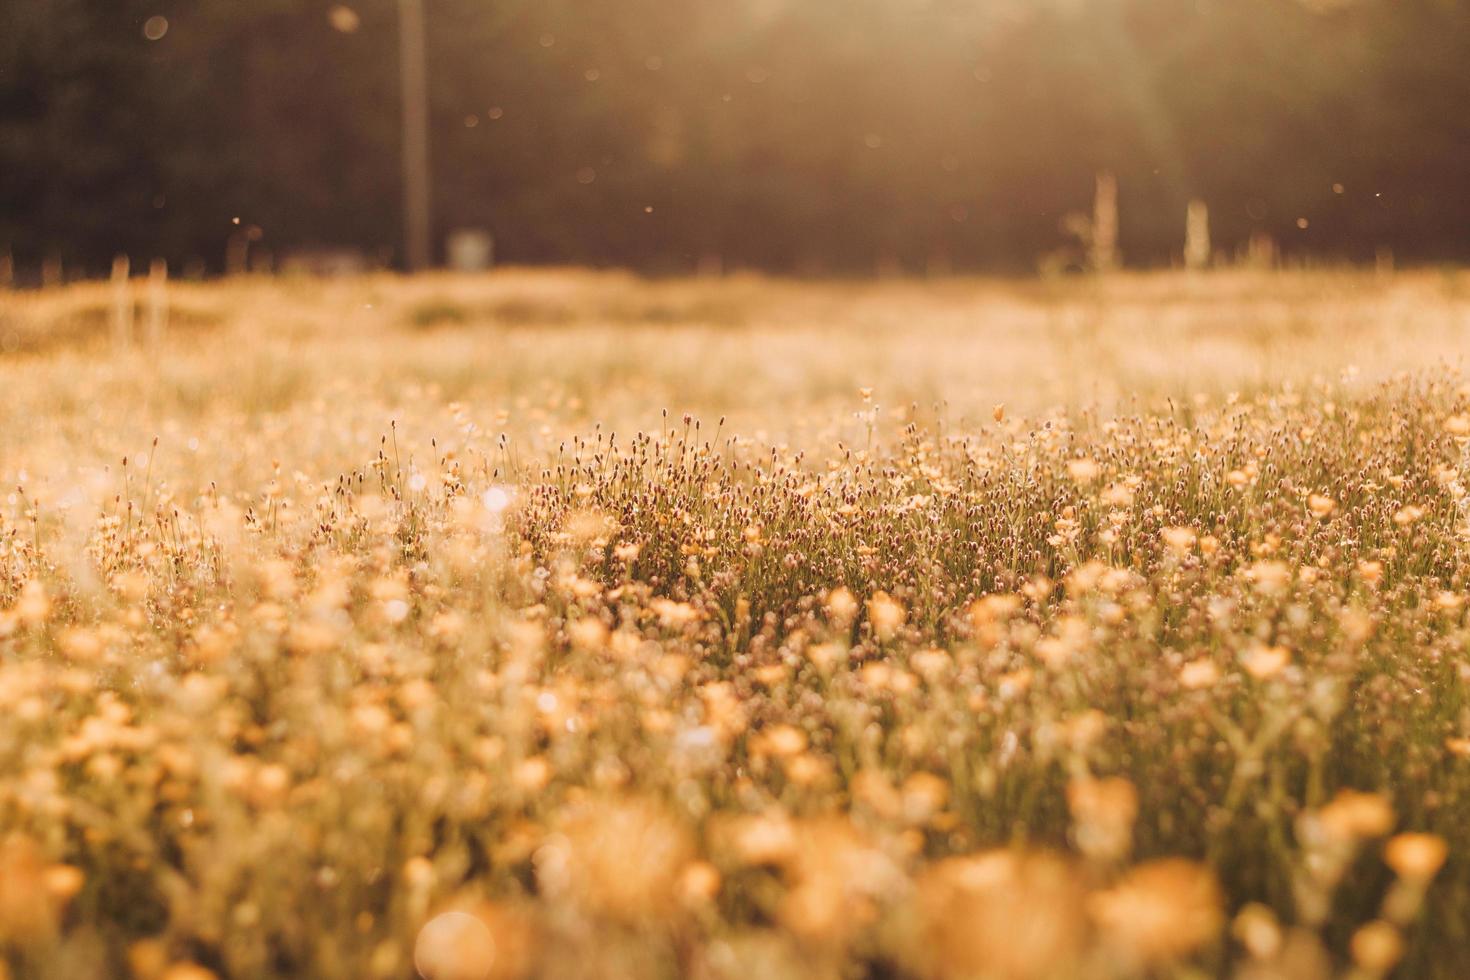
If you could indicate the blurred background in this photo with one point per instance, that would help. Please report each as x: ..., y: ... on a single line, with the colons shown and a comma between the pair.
x: 800, y: 136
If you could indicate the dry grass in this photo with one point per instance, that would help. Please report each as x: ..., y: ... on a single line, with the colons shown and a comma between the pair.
x: 368, y: 605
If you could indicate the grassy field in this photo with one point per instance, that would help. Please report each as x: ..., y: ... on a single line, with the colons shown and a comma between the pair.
x: 568, y: 625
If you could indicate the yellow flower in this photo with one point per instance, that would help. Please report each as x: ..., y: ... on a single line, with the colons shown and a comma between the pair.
x: 1198, y: 674
x: 999, y: 914
x: 1416, y: 857
x: 781, y: 740
x: 699, y: 883
x: 1083, y: 471
x: 1354, y: 815
x: 841, y: 606
x: 29, y: 908
x: 1269, y: 576
x: 1103, y: 812
x: 674, y: 615
x: 923, y: 795
x: 768, y: 838
x: 1377, y: 947
x: 886, y: 614
x: 1321, y: 505
x: 1407, y: 515
x: 34, y: 605
x: 1179, y: 540
x: 588, y: 633
x: 621, y: 859
x: 1162, y: 910
x: 1263, y: 663
x: 1257, y: 929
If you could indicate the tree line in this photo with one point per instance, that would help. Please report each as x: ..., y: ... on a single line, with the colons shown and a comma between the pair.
x: 792, y: 135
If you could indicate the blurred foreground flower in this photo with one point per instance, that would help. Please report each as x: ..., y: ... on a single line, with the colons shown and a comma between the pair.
x: 1001, y: 914
x: 1161, y: 911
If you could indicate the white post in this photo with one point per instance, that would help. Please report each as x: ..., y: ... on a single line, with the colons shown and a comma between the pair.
x: 1197, y: 236
x: 122, y: 303
x: 1104, y: 257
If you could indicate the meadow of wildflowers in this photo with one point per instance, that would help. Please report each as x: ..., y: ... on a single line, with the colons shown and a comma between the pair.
x: 565, y: 625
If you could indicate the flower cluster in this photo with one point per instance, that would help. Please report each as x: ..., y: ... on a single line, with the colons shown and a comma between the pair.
x: 288, y: 692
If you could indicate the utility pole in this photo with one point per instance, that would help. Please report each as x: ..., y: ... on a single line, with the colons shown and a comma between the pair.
x: 413, y: 75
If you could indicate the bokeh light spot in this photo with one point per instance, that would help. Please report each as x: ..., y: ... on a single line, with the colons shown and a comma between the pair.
x: 344, y: 19
x: 454, y: 946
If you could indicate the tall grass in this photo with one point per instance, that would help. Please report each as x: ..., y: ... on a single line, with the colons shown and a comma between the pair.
x: 362, y: 650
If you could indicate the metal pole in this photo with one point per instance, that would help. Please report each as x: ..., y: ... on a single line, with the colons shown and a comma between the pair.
x: 413, y: 74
